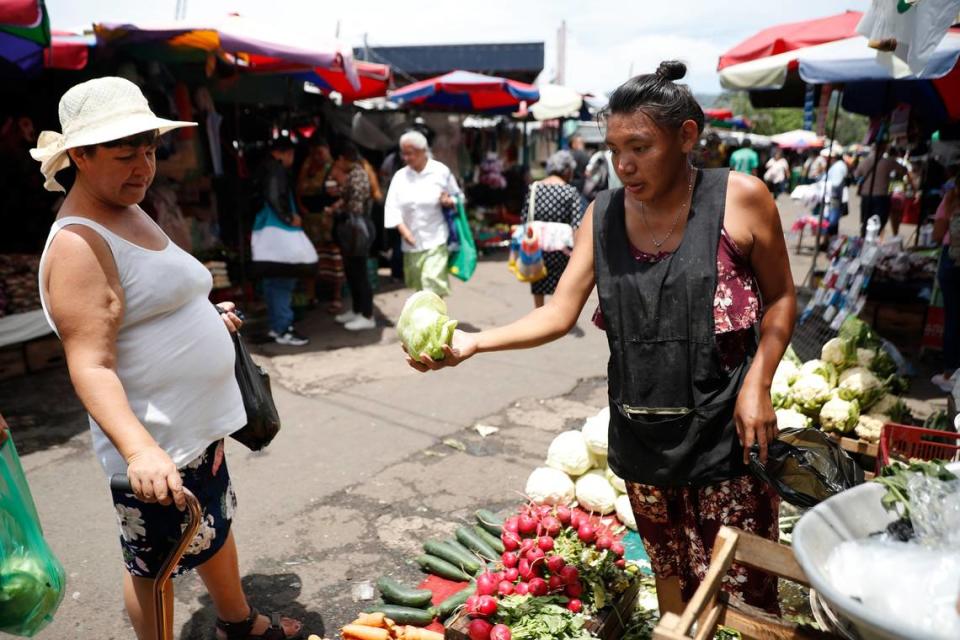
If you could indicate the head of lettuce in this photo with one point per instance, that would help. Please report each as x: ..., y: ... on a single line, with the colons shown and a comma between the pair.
x: 424, y: 327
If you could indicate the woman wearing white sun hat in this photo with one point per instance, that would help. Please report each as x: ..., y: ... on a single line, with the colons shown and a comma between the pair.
x: 149, y: 356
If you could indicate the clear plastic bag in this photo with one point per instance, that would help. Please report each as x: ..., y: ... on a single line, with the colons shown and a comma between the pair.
x: 32, y: 580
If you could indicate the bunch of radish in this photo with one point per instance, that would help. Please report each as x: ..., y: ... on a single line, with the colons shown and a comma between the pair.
x: 530, y: 565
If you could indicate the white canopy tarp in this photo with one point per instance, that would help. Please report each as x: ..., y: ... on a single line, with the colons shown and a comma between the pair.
x: 557, y: 101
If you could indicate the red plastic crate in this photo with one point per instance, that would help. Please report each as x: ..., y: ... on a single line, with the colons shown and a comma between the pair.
x: 909, y: 442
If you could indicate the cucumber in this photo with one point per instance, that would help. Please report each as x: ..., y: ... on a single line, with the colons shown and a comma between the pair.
x: 464, y: 561
x: 395, y: 593
x: 490, y: 521
x: 456, y: 545
x: 405, y: 615
x: 472, y: 540
x: 447, y: 608
x: 442, y: 568
x: 492, y: 541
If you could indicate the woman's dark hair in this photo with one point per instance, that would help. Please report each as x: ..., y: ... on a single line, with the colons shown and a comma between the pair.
x: 658, y: 96
x: 145, y: 139
x: 342, y: 148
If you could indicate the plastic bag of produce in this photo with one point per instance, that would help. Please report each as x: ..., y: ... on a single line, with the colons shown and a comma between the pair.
x: 31, y: 577
x: 806, y: 467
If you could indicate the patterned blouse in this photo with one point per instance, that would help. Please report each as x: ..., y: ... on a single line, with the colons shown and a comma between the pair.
x: 736, y: 305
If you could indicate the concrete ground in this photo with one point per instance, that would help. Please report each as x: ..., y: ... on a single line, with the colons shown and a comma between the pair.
x: 372, y: 460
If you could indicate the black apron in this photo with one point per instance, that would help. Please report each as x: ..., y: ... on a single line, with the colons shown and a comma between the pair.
x: 671, y: 401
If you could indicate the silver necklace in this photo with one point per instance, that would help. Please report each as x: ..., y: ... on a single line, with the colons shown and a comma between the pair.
x: 643, y: 215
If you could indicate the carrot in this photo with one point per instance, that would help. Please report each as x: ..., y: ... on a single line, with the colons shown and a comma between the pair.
x: 371, y: 620
x: 415, y: 633
x: 360, y: 632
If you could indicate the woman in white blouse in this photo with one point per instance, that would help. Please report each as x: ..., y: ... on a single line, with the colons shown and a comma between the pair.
x: 414, y: 207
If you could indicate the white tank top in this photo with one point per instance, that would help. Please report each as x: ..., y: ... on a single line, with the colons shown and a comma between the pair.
x: 175, y: 358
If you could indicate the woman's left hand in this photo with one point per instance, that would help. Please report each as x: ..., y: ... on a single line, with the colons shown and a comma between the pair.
x: 231, y: 319
x: 755, y: 419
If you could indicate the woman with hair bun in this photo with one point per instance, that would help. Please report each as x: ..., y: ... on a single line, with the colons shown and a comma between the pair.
x: 698, y: 303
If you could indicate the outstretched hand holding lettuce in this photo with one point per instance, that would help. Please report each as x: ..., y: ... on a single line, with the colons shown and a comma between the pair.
x: 429, y: 336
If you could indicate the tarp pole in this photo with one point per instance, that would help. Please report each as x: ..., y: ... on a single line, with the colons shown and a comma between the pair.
x: 884, y: 132
x: 808, y: 280
x: 526, y: 147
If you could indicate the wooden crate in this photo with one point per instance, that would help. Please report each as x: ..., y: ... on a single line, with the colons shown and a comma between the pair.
x: 710, y: 607
x: 608, y: 625
x: 44, y: 353
x: 12, y: 362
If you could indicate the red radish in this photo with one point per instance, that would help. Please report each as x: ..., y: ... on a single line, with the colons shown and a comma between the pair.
x: 527, y: 525
x: 576, y: 518
x: 575, y: 605
x: 621, y: 563
x: 525, y: 570
x: 472, y: 603
x: 551, y: 525
x: 545, y: 510
x: 511, y: 540
x: 486, y: 606
x: 506, y: 588
x: 556, y: 583
x: 522, y: 589
x: 574, y: 590
x: 512, y: 524
x: 604, y: 542
x: 487, y: 584
x: 587, y: 532
x: 570, y: 574
x: 538, y: 587
x: 545, y: 543
x: 535, y: 555
x: 563, y: 514
x: 500, y: 632
x: 527, y: 544
x: 617, y: 549
x: 555, y: 563
x: 479, y: 629
x: 510, y: 559
x: 511, y: 575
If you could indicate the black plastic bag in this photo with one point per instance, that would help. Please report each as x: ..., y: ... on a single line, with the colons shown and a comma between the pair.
x: 263, y: 421
x: 806, y: 467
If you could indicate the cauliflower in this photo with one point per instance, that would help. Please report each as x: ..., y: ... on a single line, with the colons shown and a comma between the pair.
x: 616, y: 481
x: 780, y: 394
x: 809, y: 393
x: 595, y: 432
x: 839, y: 352
x: 865, y: 357
x: 792, y: 419
x: 550, y: 486
x: 569, y: 453
x: 595, y: 494
x: 625, y: 513
x: 869, y: 426
x: 885, y: 404
x: 859, y: 384
x: 823, y: 369
x: 839, y: 415
x: 786, y: 372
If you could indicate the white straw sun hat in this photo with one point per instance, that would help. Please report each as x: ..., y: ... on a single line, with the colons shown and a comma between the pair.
x: 95, y: 112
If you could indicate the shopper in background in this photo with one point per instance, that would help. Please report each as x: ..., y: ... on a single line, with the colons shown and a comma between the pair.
x: 745, y: 159
x: 777, y: 174
x: 355, y: 233
x: 414, y: 207
x: 836, y: 181
x: 945, y: 223
x: 555, y: 200
x: 875, y: 176
x: 582, y: 159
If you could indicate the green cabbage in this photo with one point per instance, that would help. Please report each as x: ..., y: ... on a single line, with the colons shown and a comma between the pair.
x: 29, y: 595
x: 424, y: 327
x: 859, y: 333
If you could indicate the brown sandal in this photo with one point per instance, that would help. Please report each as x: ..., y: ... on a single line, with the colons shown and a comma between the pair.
x: 242, y: 630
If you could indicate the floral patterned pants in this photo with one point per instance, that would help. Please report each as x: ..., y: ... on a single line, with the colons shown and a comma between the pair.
x: 148, y: 532
x: 679, y: 525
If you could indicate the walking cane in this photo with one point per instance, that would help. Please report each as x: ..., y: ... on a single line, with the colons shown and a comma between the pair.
x: 121, y: 483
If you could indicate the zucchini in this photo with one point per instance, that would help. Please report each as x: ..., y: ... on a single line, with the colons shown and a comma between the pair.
x: 395, y: 593
x: 474, y: 542
x: 442, y: 568
x: 449, y: 606
x: 465, y: 561
x: 490, y: 521
x: 405, y: 615
x: 492, y: 541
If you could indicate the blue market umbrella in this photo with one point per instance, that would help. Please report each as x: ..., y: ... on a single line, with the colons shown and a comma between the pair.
x: 467, y: 92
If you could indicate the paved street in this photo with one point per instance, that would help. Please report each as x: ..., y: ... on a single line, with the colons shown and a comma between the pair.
x: 368, y: 465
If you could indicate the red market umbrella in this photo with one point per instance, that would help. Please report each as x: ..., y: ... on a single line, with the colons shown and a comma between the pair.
x: 22, y: 45
x: 795, y: 35
x: 20, y: 13
x: 69, y: 51
x: 467, y: 92
x: 375, y: 79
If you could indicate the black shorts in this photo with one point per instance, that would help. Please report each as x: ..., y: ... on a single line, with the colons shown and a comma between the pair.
x: 148, y: 532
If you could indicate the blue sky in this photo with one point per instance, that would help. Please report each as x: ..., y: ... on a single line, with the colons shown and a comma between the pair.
x: 605, y: 41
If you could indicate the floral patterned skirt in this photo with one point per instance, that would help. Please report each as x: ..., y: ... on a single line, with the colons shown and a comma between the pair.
x: 680, y: 524
x: 148, y: 532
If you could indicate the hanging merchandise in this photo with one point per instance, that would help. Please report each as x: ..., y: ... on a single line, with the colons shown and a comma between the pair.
x: 911, y: 29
